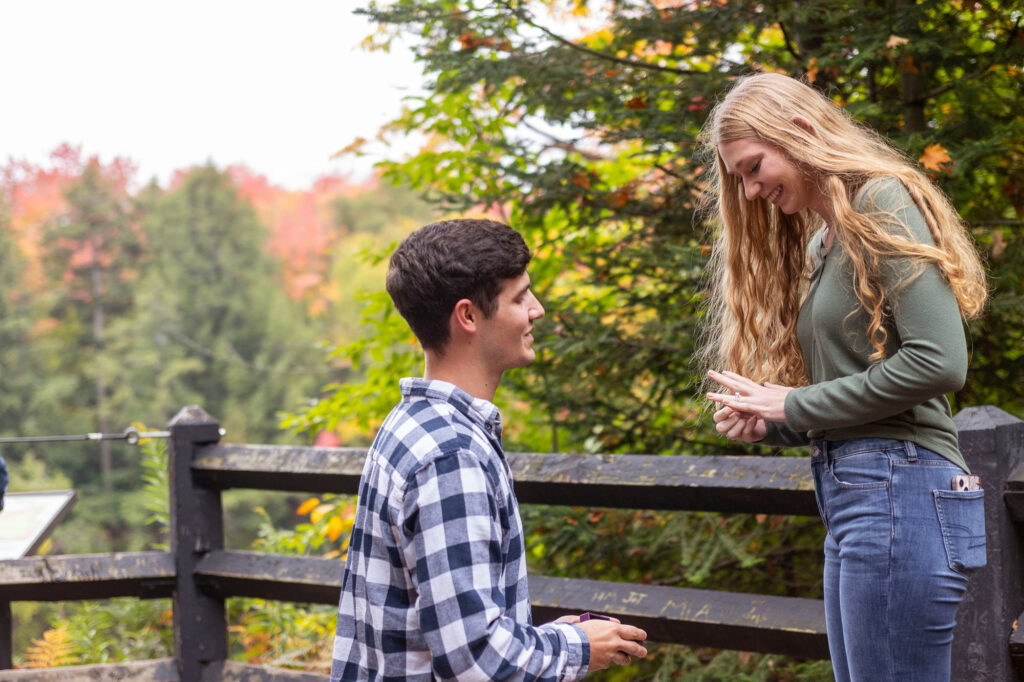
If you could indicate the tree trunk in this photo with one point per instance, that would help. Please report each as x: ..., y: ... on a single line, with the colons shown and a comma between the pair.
x: 912, y: 75
x: 809, y: 39
x: 106, y: 456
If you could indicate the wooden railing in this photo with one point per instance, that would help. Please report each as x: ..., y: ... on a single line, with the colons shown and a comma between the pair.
x: 199, y: 574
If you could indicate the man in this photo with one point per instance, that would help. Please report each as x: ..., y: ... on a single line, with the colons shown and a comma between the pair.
x: 435, y: 582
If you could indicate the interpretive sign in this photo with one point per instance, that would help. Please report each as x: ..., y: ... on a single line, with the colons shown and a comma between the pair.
x: 28, y: 519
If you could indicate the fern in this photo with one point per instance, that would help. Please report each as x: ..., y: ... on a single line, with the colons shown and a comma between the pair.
x: 53, y: 650
x: 156, y: 484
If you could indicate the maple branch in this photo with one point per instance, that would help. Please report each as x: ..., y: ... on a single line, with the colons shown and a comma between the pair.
x: 952, y: 84
x: 980, y: 71
x: 511, y: 104
x: 668, y: 171
x: 789, y: 45
x: 998, y: 223
x: 423, y: 15
x: 525, y: 18
x: 565, y: 146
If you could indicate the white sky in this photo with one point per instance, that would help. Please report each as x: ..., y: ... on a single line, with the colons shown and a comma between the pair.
x: 278, y: 86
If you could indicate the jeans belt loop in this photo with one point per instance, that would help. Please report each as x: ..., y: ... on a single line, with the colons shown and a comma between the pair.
x: 911, y: 451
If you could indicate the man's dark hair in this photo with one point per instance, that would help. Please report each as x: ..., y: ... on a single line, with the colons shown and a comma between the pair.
x: 443, y: 262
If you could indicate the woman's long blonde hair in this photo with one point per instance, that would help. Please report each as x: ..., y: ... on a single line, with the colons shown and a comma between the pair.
x: 758, y: 259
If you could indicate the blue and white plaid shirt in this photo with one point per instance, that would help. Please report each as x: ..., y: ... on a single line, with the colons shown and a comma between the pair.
x: 435, y: 583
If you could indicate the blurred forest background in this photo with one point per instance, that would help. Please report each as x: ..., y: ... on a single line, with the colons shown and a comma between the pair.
x: 575, y: 122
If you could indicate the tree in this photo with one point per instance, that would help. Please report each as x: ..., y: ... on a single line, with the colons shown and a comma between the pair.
x: 48, y: 389
x: 16, y: 323
x: 586, y: 139
x: 92, y: 253
x: 213, y: 317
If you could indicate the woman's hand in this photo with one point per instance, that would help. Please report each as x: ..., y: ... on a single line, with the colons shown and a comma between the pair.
x: 764, y: 401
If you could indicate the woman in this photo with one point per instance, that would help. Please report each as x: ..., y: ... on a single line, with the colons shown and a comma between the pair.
x: 841, y: 279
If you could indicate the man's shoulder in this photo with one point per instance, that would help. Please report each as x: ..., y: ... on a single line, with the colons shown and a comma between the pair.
x: 421, y: 430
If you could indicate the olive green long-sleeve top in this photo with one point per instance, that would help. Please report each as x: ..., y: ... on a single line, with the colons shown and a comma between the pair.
x: 903, y: 395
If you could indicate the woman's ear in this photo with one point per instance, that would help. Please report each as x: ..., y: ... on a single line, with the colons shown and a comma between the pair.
x: 803, y: 123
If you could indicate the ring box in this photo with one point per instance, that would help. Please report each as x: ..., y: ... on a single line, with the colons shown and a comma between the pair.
x: 595, y: 616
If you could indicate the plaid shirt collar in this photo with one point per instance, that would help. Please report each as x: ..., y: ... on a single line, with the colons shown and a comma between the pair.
x: 481, y: 412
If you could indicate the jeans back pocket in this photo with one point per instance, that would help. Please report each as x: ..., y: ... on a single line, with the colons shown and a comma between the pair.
x: 962, y: 519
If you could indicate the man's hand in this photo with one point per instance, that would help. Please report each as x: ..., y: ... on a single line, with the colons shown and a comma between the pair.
x: 612, y: 642
x: 739, y: 425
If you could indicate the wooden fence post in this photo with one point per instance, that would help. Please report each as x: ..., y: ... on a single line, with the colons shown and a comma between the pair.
x: 992, y: 442
x: 197, y: 528
x: 6, y: 636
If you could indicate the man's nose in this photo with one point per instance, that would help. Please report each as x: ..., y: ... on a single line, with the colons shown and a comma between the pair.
x: 538, y: 309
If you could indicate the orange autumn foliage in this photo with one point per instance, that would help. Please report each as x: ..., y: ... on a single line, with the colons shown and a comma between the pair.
x: 302, y: 233
x: 34, y: 197
x: 935, y: 157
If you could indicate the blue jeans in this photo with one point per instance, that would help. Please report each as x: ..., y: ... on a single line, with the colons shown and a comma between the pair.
x: 899, y: 545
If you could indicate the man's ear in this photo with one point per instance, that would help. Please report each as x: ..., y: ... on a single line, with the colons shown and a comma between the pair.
x: 803, y: 123
x: 465, y: 315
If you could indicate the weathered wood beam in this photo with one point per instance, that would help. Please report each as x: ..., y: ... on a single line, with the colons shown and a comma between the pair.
x: 157, y: 670
x: 231, y: 573
x: 87, y: 576
x: 230, y: 671
x: 723, y: 620
x: 749, y: 622
x: 775, y: 485
x: 273, y: 467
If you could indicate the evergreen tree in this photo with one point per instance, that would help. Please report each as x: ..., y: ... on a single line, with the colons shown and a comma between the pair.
x: 91, y: 254
x: 212, y: 313
x: 18, y: 366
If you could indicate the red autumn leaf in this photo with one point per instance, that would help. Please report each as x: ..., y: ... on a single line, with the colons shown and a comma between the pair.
x: 581, y: 180
x: 619, y: 198
x: 471, y: 41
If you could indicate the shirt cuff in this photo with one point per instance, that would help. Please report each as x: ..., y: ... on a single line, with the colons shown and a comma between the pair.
x: 578, y: 648
x: 796, y: 415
